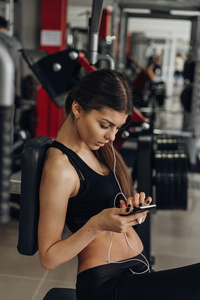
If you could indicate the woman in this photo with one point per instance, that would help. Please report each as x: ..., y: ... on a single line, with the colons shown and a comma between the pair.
x: 86, y: 184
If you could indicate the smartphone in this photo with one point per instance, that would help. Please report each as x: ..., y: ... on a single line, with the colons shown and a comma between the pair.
x: 142, y: 208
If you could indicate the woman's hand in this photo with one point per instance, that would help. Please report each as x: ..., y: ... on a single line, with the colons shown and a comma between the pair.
x: 118, y: 219
x: 136, y: 201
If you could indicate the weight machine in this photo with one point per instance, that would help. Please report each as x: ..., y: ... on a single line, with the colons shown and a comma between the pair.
x: 49, y: 69
x: 6, y: 109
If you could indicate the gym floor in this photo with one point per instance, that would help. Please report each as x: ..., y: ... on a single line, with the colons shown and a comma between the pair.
x: 175, y: 238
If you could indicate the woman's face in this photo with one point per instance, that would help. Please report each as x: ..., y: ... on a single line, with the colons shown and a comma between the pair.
x: 98, y: 127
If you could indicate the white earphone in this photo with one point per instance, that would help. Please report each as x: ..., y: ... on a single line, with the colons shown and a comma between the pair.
x: 146, y: 263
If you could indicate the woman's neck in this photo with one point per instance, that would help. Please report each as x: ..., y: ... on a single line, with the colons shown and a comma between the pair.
x: 69, y: 136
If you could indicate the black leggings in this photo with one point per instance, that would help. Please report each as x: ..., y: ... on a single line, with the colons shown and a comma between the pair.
x: 116, y: 281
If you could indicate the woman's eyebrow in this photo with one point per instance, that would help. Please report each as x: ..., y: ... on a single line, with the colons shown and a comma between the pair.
x: 111, y: 122
x: 108, y: 122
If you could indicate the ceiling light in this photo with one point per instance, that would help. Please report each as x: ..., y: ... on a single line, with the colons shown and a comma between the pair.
x: 137, y: 10
x: 184, y: 13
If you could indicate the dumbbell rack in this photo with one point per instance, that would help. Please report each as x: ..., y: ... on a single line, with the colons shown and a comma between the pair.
x: 162, y: 166
x: 171, y: 167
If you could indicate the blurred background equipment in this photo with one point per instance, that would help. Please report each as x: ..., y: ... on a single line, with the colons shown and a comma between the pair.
x: 155, y: 44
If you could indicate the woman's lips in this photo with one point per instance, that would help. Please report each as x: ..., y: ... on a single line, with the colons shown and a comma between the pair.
x: 100, y: 144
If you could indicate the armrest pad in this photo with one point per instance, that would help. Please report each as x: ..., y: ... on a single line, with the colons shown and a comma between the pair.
x: 33, y: 156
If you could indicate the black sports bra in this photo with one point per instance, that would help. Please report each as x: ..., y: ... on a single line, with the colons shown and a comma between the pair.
x: 96, y: 192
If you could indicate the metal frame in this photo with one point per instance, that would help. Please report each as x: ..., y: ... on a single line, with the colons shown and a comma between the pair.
x: 94, y: 23
x: 187, y: 5
x: 6, y: 125
x: 196, y: 92
x: 194, y: 117
x: 125, y: 15
x: 144, y: 167
x: 161, y: 9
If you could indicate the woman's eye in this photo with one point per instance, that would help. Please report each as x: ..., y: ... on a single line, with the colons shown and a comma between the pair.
x: 119, y: 128
x: 104, y: 127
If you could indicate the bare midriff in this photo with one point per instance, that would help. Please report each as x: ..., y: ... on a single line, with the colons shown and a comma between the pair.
x: 96, y: 253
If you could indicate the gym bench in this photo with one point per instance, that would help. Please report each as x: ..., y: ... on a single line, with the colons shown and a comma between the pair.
x: 33, y: 156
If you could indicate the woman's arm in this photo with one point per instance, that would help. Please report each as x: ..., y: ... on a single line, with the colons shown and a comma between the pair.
x: 59, y: 182
x: 57, y: 185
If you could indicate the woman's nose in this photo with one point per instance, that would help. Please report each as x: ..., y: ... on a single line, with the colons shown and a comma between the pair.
x: 111, y: 135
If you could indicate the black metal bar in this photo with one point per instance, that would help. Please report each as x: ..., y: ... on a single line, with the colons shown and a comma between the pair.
x: 144, y: 175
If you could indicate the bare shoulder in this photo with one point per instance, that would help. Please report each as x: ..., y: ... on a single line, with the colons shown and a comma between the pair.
x: 58, y: 173
x: 58, y: 183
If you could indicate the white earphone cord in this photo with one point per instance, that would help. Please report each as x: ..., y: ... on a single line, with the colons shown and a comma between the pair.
x: 146, y: 263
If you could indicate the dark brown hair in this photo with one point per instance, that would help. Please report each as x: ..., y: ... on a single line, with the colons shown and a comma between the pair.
x: 105, y: 88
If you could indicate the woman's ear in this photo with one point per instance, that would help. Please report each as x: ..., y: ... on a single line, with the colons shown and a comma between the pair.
x: 76, y: 109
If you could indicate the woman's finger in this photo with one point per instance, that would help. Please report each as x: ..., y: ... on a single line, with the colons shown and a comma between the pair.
x: 122, y: 204
x: 148, y: 200
x: 136, y: 199
x: 129, y: 203
x: 142, y: 198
